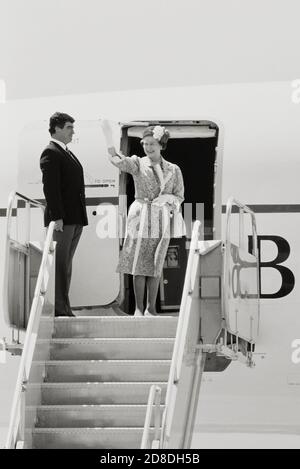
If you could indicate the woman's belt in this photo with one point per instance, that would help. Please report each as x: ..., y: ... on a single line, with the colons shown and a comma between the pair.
x: 145, y: 200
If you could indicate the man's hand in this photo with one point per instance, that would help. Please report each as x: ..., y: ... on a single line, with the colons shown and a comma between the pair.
x: 59, y: 225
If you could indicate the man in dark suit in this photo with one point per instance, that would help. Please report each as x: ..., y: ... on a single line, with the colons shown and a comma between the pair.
x: 63, y: 185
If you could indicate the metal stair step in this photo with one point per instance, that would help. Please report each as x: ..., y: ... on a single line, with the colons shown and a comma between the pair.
x: 98, y: 371
x: 92, y: 393
x: 111, y: 310
x: 91, y: 416
x: 115, y: 327
x: 106, y: 349
x: 87, y: 438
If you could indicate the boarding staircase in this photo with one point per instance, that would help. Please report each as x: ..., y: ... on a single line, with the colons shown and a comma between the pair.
x: 107, y: 380
x: 97, y: 380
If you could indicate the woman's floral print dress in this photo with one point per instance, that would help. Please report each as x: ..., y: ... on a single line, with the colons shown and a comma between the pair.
x: 148, y: 223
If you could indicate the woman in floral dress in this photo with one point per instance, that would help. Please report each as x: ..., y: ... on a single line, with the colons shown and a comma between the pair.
x: 159, y: 192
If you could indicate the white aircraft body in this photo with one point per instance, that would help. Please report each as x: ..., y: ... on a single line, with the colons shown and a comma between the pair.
x: 239, y: 140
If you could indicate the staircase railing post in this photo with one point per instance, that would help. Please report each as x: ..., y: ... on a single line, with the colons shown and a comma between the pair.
x: 22, y: 424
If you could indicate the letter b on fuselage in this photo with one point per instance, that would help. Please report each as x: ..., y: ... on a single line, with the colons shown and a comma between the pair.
x: 287, y: 276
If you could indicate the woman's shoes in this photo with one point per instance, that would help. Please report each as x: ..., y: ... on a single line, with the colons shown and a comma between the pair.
x: 146, y: 313
x: 138, y: 313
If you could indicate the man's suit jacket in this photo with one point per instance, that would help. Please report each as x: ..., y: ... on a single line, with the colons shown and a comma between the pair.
x: 63, y: 182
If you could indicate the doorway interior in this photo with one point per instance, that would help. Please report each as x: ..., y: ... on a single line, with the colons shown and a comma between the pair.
x: 192, y: 146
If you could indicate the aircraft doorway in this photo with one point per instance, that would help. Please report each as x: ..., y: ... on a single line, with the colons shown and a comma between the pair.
x: 192, y: 146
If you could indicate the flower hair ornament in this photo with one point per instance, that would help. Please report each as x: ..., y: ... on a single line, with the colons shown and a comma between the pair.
x: 161, y: 134
x: 158, y: 132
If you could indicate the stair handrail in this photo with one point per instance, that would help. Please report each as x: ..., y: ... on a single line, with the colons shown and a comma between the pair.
x: 9, y: 213
x: 174, y: 374
x: 153, y: 408
x: 242, y: 210
x: 176, y: 362
x: 17, y: 417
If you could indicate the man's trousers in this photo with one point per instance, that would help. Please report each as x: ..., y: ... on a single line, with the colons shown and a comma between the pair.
x: 67, y: 241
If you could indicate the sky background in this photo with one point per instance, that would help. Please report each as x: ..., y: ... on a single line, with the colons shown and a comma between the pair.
x: 57, y: 47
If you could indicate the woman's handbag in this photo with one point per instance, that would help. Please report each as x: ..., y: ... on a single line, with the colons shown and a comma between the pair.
x: 177, y: 225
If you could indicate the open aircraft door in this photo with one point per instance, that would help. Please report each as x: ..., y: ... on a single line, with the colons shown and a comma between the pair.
x: 94, y: 280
